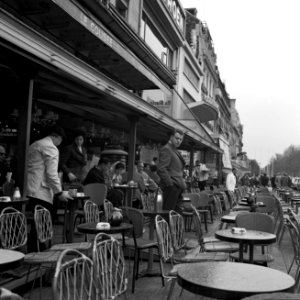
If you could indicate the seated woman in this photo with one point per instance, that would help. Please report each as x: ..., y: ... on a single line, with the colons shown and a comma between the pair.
x: 117, y: 170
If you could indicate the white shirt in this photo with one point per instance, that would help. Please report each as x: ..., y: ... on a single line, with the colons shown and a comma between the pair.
x: 230, y: 182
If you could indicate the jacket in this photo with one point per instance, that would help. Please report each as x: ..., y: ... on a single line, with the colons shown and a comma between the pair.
x: 42, y: 178
x: 170, y: 167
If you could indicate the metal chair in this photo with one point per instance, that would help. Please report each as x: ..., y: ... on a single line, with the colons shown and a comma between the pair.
x: 91, y: 212
x: 73, y: 277
x: 44, y: 229
x: 109, y: 267
x: 13, y: 229
x: 168, y: 257
x: 136, y: 240
x: 211, y: 244
x: 108, y: 210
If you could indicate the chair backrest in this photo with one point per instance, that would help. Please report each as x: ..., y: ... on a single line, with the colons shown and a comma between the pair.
x: 177, y: 229
x: 295, y: 237
x: 164, y: 239
x: 91, y: 212
x: 204, y: 198
x: 109, y: 267
x: 148, y: 201
x: 197, y: 224
x: 97, y: 192
x: 269, y: 202
x: 136, y: 218
x: 73, y: 278
x: 108, y: 209
x: 255, y: 221
x: 43, y: 225
x: 13, y: 229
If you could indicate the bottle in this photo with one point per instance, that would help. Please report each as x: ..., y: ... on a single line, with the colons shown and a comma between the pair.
x: 17, y: 194
x: 159, y: 201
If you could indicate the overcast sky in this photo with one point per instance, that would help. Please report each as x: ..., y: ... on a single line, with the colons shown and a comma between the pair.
x: 258, y: 55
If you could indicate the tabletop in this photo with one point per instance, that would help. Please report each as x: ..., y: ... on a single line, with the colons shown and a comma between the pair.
x: 253, y: 236
x: 9, y: 257
x: 92, y: 229
x: 229, y: 280
x: 274, y: 296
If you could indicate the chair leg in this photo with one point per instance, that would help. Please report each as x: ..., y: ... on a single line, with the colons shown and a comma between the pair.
x: 134, y: 272
x: 171, y: 288
x: 137, y: 264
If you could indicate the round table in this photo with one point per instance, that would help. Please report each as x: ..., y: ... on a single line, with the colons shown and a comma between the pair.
x: 8, y: 258
x: 229, y: 280
x: 250, y: 237
x: 91, y: 228
x: 274, y: 296
x: 17, y: 204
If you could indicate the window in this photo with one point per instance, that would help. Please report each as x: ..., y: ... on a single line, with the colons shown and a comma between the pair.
x: 187, y: 98
x: 190, y: 74
x: 121, y: 6
x: 155, y: 41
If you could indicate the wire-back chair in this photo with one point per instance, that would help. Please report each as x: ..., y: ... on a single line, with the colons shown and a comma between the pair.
x: 73, y: 277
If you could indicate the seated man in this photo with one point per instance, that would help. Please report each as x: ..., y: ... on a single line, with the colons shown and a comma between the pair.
x: 149, y: 182
x: 100, y: 174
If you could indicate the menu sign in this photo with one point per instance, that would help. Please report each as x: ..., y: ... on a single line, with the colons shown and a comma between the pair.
x: 175, y: 11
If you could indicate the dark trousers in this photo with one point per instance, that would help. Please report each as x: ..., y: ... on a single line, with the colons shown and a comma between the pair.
x: 172, y: 198
x: 201, y: 185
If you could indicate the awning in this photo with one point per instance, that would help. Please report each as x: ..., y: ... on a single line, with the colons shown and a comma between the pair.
x: 204, y: 111
x: 226, y: 156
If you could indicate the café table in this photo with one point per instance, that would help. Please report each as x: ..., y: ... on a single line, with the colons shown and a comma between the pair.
x: 230, y: 218
x: 70, y: 208
x: 151, y: 271
x: 91, y: 228
x: 274, y: 296
x: 10, y: 258
x: 250, y: 237
x: 128, y: 191
x: 17, y: 204
x: 229, y: 280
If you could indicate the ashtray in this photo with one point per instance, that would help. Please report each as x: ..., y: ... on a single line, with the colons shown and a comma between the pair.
x: 5, y: 199
x: 238, y: 230
x: 80, y: 195
x: 103, y: 225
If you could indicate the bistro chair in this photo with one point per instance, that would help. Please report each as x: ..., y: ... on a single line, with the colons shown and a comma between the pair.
x: 97, y: 193
x: 136, y: 240
x: 108, y: 210
x: 13, y: 229
x: 73, y: 277
x: 169, y: 259
x: 44, y: 229
x: 210, y: 244
x: 176, y: 222
x: 109, y: 267
x: 260, y: 222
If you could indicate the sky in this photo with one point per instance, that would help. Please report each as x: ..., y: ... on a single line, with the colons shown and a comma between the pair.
x: 258, y: 55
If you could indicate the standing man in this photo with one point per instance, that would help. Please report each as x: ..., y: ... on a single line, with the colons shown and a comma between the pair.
x: 43, y: 183
x: 170, y: 169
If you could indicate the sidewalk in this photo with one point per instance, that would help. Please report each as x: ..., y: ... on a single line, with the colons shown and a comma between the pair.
x: 151, y: 287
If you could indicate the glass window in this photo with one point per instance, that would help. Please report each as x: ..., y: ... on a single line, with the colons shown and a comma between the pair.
x: 154, y: 40
x: 190, y: 74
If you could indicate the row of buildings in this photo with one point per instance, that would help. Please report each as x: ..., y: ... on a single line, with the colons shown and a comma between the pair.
x: 126, y: 70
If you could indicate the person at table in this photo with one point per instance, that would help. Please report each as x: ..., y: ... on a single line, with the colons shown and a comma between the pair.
x: 200, y: 174
x: 43, y: 183
x: 100, y: 174
x: 153, y: 174
x: 149, y: 183
x: 118, y: 169
x: 170, y: 170
x: 6, y: 182
x: 74, y: 159
x: 141, y: 187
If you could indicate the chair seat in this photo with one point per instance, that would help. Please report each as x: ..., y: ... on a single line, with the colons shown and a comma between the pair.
x: 257, y: 257
x: 78, y: 246
x: 210, y: 239
x: 42, y: 257
x: 201, y: 257
x: 191, y: 243
x: 241, y: 207
x: 221, y: 246
x: 141, y: 243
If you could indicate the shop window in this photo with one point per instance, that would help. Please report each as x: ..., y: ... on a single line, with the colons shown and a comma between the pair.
x: 155, y: 41
x: 187, y: 98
